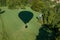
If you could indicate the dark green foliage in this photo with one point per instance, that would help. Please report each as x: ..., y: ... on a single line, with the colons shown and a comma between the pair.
x: 54, y: 33
x: 3, y: 3
x: 44, y: 34
x: 24, y: 2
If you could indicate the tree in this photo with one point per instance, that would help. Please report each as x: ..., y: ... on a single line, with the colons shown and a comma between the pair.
x: 47, y: 32
x: 2, y: 2
x: 38, y: 5
x: 52, y: 17
x: 12, y: 4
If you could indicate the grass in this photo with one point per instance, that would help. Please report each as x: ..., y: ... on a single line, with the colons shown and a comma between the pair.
x: 16, y: 28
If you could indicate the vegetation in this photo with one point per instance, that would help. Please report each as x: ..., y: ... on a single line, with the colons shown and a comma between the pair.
x: 2, y: 2
x: 13, y: 4
x: 50, y: 17
x: 48, y: 32
x: 50, y: 11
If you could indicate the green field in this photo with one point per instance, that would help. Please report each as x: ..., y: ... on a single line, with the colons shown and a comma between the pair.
x: 15, y: 27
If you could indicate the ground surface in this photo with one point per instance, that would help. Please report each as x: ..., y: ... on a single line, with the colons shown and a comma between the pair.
x: 14, y: 26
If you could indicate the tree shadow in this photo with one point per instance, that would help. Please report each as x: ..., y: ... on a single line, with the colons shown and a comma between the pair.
x: 44, y: 33
x: 1, y: 12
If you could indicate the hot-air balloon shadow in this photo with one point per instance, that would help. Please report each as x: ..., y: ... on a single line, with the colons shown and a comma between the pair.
x: 25, y: 16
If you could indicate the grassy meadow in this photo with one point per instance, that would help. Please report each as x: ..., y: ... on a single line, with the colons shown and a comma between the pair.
x: 15, y: 27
